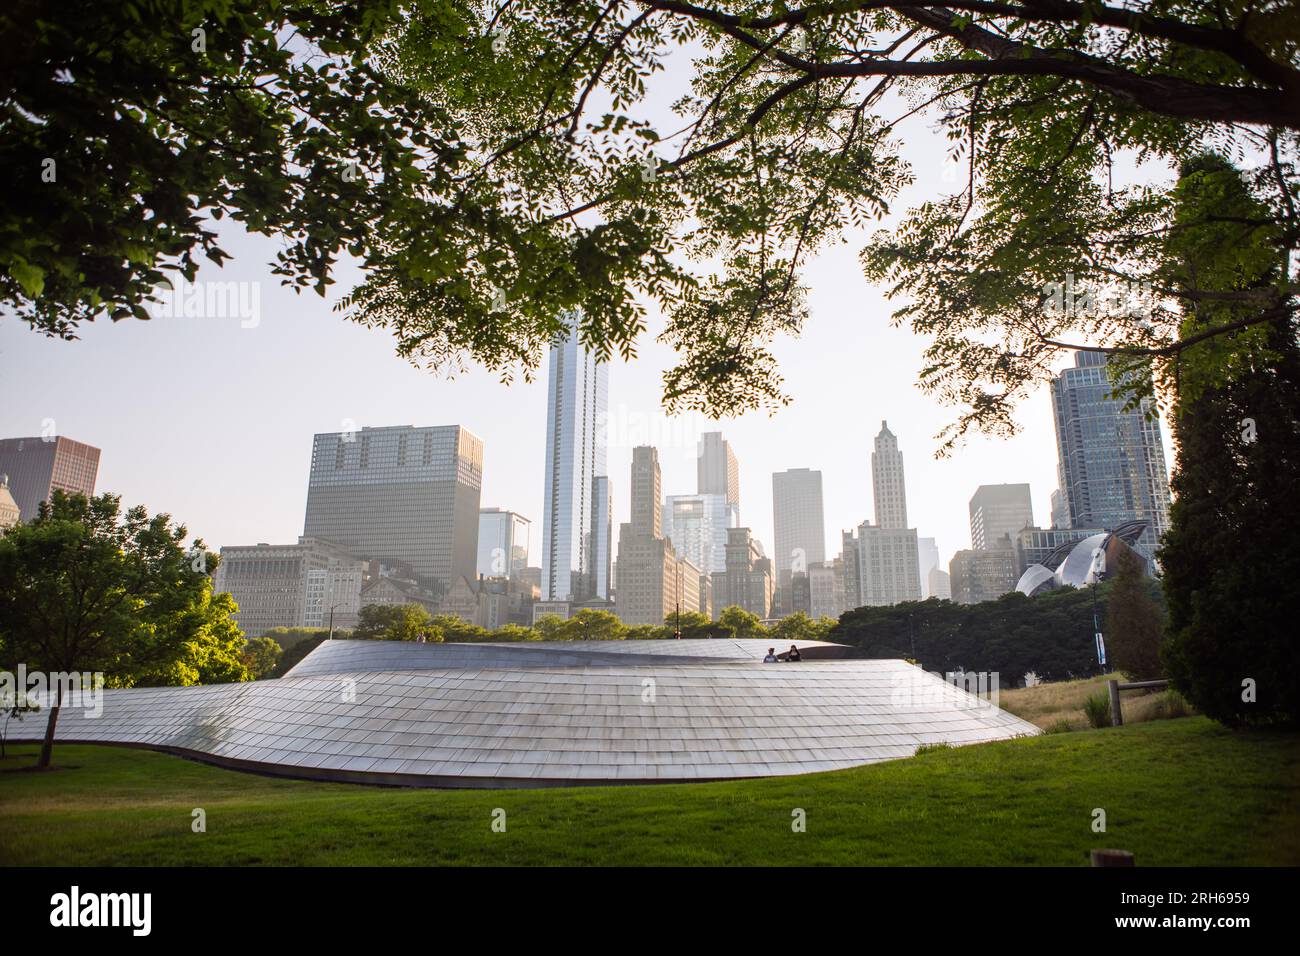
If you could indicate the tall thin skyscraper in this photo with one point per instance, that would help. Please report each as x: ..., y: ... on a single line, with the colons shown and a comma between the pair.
x: 718, y: 472
x: 37, y: 467
x: 997, y: 514
x: 601, y: 546
x: 890, y: 493
x: 1111, y: 461
x: 799, y: 526
x: 400, y: 494
x: 881, y: 561
x: 653, y: 581
x: 577, y: 403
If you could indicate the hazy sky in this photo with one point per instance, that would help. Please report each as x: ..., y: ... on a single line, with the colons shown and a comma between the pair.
x: 213, y: 422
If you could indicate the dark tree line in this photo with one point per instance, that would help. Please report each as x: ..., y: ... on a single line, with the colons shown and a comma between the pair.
x: 1050, y: 635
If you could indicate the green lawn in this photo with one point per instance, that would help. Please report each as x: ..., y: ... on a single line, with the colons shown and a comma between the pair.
x: 1175, y: 792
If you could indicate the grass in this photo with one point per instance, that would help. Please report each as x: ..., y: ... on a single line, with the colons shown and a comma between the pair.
x: 1061, y: 705
x: 1175, y: 792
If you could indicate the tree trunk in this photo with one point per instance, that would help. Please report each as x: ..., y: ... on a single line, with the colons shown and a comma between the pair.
x: 47, y: 745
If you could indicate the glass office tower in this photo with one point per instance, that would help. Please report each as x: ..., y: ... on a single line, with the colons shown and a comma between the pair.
x: 502, y: 543
x: 575, y: 553
x: 1111, y: 461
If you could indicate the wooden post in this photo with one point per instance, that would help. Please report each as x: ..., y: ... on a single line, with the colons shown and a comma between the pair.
x: 1112, y: 857
x: 1116, y: 715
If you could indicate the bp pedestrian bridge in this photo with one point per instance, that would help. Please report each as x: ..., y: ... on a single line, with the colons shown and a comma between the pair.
x: 545, y: 714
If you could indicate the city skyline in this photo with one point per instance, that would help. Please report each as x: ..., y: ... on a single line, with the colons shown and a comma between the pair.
x: 849, y: 500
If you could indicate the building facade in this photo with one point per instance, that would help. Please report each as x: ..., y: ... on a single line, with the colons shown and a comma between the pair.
x: 37, y: 467
x: 653, y: 581
x: 999, y: 512
x: 928, y: 558
x: 574, y: 499
x: 826, y: 589
x: 502, y: 543
x: 881, y: 562
x: 10, y: 513
x: 748, y: 581
x: 889, y: 488
x: 273, y: 584
x: 799, y: 527
x: 1110, y: 460
x: 698, y: 525
x: 977, y: 576
x: 940, y: 584
x: 717, y: 470
x: 400, y: 494
x: 880, y: 566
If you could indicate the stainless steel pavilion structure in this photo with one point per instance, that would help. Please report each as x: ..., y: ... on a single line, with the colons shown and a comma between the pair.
x: 549, y: 714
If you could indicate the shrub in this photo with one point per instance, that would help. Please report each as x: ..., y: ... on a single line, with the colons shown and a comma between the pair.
x: 1097, y: 709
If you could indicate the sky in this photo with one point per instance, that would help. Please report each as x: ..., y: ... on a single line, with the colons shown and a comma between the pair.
x: 211, y: 419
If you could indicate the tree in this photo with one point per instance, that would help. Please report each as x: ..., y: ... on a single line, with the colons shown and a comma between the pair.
x: 211, y: 646
x: 129, y: 127
x: 693, y: 625
x: 449, y: 627
x: 513, y: 633
x: 261, y: 655
x: 1051, y: 635
x: 397, y: 622
x: 1230, y: 551
x: 1134, y: 621
x: 86, y: 589
x: 740, y: 623
x: 592, y: 624
x: 786, y: 141
x: 508, y: 201
x: 549, y: 627
x: 800, y: 627
x: 288, y: 637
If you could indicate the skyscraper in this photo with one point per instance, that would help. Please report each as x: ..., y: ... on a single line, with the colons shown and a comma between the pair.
x: 888, y: 486
x: 653, y: 581
x: 502, y: 543
x: 881, y: 561
x: 997, y: 514
x: 1111, y: 461
x: 37, y: 467
x: 400, y: 494
x: 577, y: 403
x: 600, y: 538
x: 718, y: 472
x: 799, y: 527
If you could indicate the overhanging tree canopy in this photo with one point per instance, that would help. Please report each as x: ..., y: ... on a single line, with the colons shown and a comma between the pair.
x: 788, y: 137
x: 517, y: 170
